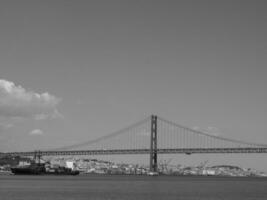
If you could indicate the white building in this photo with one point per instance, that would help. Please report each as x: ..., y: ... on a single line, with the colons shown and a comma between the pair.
x: 70, y: 164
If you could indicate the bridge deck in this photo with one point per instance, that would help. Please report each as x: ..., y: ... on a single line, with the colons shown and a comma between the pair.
x: 141, y: 151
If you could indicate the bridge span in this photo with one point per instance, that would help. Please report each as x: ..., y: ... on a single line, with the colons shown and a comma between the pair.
x: 153, y: 136
x: 187, y: 151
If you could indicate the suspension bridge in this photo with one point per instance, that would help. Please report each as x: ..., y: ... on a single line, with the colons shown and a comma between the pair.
x: 153, y: 135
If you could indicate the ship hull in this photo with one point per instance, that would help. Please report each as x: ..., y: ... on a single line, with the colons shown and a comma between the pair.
x: 40, y: 171
x: 25, y: 171
x: 34, y: 169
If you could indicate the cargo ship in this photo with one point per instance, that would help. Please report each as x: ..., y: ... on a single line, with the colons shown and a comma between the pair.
x: 33, y: 168
x: 40, y: 169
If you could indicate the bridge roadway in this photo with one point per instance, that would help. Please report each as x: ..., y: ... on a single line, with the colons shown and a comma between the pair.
x: 187, y: 151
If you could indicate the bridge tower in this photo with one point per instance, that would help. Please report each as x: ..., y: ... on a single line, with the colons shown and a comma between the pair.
x: 153, y: 145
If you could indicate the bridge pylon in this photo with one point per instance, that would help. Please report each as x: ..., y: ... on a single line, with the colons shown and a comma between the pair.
x: 153, y: 145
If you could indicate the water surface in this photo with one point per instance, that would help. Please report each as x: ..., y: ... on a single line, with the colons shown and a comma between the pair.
x: 131, y: 188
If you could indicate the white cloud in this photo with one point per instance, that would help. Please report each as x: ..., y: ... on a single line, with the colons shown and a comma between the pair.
x: 36, y: 132
x: 15, y: 101
x: 54, y: 115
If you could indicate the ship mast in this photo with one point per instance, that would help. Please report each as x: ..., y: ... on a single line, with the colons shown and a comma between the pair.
x: 37, y: 155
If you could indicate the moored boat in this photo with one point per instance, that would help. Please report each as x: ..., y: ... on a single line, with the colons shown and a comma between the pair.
x: 39, y: 169
x: 33, y: 169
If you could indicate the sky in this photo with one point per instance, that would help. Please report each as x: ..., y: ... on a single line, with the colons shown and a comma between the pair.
x: 72, y: 71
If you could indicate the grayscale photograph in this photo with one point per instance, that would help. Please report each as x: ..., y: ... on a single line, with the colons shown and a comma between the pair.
x: 133, y: 100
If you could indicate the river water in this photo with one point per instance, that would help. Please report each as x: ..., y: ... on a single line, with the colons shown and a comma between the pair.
x: 131, y: 188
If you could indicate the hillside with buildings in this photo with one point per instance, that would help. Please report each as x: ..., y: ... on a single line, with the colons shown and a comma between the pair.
x: 94, y: 166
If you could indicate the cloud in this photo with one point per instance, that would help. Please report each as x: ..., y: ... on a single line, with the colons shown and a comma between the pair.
x: 54, y: 115
x: 15, y: 101
x: 36, y: 132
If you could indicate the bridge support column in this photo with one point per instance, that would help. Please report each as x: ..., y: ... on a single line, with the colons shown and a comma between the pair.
x: 153, y: 145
